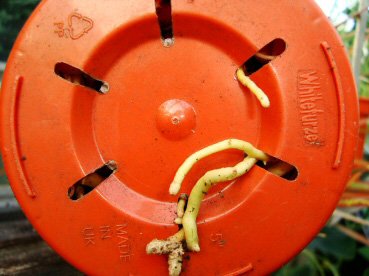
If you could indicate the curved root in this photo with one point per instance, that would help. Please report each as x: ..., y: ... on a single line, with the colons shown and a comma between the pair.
x: 187, y: 216
x: 249, y: 149
x: 246, y: 81
x: 200, y: 190
x: 173, y: 248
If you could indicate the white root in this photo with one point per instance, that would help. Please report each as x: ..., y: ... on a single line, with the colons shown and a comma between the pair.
x: 173, y: 248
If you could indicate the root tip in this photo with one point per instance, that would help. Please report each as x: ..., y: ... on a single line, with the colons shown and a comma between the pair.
x: 195, y: 248
x: 178, y: 221
x: 173, y: 189
x: 266, y: 104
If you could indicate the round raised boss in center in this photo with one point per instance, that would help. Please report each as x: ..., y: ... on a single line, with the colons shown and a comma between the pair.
x: 176, y: 119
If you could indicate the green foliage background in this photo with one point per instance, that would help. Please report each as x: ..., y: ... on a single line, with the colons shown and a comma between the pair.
x: 13, y: 14
x: 334, y: 254
x: 348, y: 36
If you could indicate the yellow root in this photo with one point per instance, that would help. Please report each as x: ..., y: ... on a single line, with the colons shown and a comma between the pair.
x: 171, y: 246
x: 246, y: 81
x: 181, y: 205
x: 187, y: 216
x: 178, y: 221
x: 249, y: 149
x: 200, y: 190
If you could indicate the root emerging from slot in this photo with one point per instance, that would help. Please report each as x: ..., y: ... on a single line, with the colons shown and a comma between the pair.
x: 249, y: 149
x: 187, y: 211
x: 254, y: 88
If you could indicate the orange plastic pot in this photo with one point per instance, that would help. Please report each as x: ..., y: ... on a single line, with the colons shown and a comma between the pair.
x: 161, y: 104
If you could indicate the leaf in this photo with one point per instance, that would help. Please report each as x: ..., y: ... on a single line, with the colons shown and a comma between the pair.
x: 301, y: 265
x: 364, y: 252
x: 13, y: 14
x: 335, y: 244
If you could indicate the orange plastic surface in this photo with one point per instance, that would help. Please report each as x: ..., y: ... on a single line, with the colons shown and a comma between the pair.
x: 53, y: 132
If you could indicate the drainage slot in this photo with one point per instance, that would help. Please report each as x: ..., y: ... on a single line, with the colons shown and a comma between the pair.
x: 265, y: 55
x: 88, y: 183
x: 279, y: 168
x: 164, y: 13
x: 78, y: 77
